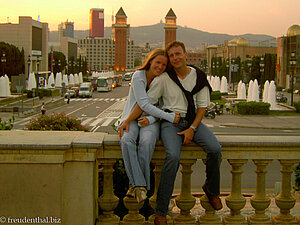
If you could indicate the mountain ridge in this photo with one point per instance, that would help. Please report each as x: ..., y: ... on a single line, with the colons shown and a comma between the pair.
x: 193, y: 38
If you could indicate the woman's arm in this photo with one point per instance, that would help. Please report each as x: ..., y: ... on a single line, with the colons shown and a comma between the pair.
x: 144, y: 102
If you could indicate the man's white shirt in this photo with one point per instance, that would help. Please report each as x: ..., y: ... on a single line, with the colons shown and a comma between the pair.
x: 173, y: 97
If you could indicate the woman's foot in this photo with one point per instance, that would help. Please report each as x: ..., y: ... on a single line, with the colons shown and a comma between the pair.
x: 130, y: 193
x: 140, y: 194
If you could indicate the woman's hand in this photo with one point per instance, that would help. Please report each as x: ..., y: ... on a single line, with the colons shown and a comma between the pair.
x: 143, y: 121
x: 124, y: 126
x: 177, y: 117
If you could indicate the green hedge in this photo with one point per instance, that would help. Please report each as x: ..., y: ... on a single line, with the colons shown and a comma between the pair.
x: 297, y: 106
x: 253, y: 108
x: 39, y: 92
x: 215, y: 95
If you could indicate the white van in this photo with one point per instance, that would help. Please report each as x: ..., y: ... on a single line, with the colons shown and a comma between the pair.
x: 85, y: 90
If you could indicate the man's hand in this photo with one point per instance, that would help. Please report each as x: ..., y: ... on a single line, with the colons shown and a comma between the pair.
x: 188, y: 135
x: 143, y: 121
x: 177, y: 117
x: 124, y: 126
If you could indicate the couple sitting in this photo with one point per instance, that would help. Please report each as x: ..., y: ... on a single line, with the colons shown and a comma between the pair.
x: 183, y: 94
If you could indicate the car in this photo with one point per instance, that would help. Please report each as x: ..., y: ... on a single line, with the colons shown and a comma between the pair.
x: 127, y: 76
x: 70, y: 93
x: 76, y: 89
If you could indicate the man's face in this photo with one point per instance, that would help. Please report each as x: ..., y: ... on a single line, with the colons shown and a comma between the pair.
x: 177, y: 57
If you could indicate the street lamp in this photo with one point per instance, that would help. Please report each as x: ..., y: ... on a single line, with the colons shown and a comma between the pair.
x: 38, y: 64
x: 262, y: 69
x: 3, y: 61
x: 29, y: 62
x: 293, y: 63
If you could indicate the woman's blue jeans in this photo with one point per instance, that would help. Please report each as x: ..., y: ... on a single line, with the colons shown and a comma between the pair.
x: 173, y: 142
x: 137, y: 160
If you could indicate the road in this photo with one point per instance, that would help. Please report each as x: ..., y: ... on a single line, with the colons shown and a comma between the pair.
x: 101, y: 111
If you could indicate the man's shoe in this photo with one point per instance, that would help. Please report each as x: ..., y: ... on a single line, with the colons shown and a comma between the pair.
x: 140, y: 194
x: 160, y: 220
x: 214, y: 200
x: 130, y: 193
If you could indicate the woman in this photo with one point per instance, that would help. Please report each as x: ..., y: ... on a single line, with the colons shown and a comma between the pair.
x: 137, y: 163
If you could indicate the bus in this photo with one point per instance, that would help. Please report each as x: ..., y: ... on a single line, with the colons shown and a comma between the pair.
x: 118, y: 80
x: 105, y: 83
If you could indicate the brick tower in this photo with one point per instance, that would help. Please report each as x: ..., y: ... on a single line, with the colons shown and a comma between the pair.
x: 120, y: 35
x: 170, y: 27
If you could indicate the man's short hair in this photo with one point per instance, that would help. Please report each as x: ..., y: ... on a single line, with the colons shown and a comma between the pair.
x: 175, y: 44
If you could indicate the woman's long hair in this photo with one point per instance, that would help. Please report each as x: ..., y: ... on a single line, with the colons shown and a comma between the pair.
x: 151, y: 56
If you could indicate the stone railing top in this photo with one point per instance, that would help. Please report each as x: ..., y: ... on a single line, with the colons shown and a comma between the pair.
x: 107, y: 145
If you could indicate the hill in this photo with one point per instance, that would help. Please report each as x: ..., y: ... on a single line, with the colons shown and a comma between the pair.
x: 193, y: 38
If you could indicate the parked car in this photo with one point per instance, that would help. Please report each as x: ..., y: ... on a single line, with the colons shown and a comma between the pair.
x: 70, y: 93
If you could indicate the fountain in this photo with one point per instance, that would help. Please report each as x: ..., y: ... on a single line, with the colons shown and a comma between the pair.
x: 249, y: 96
x: 217, y: 83
x: 31, y: 81
x: 255, y: 92
x: 243, y: 92
x: 266, y: 90
x: 58, y: 80
x: 239, y: 90
x: 76, y: 79
x: 224, y: 88
x: 80, y: 78
x: 51, y: 83
x: 65, y: 80
x: 71, y: 80
x: 211, y: 82
x: 4, y: 86
x: 272, y: 95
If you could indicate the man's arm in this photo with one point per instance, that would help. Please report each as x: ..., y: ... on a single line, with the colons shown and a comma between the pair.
x: 189, y: 133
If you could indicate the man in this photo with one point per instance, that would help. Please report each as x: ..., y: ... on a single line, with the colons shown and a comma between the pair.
x: 184, y: 89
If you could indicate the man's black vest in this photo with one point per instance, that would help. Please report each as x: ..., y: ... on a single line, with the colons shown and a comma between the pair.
x: 200, y: 83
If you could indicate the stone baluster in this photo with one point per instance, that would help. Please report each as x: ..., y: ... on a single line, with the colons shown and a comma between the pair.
x: 236, y: 201
x: 152, y: 200
x: 260, y: 202
x: 185, y: 201
x: 133, y: 216
x: 209, y: 216
x: 108, y: 201
x: 285, y: 201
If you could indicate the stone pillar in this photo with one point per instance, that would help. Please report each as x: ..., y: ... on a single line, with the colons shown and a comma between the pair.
x: 260, y: 202
x: 108, y: 201
x: 235, y: 201
x: 185, y: 201
x: 210, y: 216
x: 285, y: 201
x: 152, y: 200
x: 133, y: 216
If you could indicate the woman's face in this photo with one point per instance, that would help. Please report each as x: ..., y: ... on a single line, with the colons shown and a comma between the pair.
x: 158, y: 65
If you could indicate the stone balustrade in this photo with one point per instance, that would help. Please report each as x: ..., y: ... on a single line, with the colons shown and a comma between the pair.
x: 54, y: 175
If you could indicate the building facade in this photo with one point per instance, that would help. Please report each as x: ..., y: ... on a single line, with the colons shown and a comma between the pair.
x: 170, y: 27
x: 96, y: 22
x: 99, y: 53
x: 238, y: 47
x: 288, y: 58
x: 32, y: 36
x: 66, y: 29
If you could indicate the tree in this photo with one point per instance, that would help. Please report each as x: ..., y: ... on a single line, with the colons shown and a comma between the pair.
x: 15, y: 62
x: 59, y: 61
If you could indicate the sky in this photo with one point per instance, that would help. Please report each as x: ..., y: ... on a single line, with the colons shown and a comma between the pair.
x: 234, y: 17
